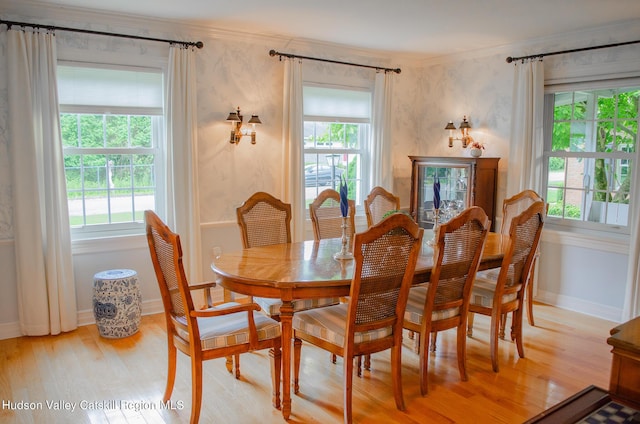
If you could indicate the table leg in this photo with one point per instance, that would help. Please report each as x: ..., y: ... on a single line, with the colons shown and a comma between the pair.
x: 286, y: 318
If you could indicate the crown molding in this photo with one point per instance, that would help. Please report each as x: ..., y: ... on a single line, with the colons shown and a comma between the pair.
x: 42, y: 13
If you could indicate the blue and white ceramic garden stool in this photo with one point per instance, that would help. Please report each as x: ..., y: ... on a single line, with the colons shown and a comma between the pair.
x: 117, y: 303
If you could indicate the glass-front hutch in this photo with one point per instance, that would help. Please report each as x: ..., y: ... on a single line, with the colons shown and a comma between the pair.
x: 464, y: 182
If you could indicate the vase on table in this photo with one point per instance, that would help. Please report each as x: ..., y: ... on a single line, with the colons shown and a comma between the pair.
x: 475, y: 152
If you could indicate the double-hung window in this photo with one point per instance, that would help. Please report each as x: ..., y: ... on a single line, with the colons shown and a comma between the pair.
x: 112, y: 130
x: 591, y: 133
x: 336, y: 139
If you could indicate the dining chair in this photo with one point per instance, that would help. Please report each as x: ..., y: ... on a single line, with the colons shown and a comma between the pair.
x: 326, y: 216
x: 444, y: 303
x: 500, y: 291
x: 216, y: 332
x: 511, y: 208
x: 385, y: 260
x: 378, y: 203
x: 265, y: 220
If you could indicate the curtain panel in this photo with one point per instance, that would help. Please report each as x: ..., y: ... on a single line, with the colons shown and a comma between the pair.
x: 526, y: 150
x: 46, y: 284
x: 183, y: 205
x: 292, y: 151
x: 382, y: 161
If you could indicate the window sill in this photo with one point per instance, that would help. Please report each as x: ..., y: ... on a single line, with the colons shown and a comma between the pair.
x: 587, y: 239
x: 108, y: 244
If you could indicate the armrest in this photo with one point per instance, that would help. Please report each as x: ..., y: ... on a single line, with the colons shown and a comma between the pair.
x: 207, y: 285
x: 248, y: 307
x: 204, y: 285
x: 225, y: 311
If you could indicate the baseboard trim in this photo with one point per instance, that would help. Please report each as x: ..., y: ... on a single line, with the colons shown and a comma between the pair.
x: 11, y: 330
x: 580, y: 305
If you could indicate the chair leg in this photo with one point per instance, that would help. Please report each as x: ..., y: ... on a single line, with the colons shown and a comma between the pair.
x: 530, y: 296
x: 461, y: 347
x: 470, y: 324
x: 516, y: 331
x: 334, y: 358
x: 433, y: 341
x: 275, y: 355
x: 237, y: 358
x: 348, y: 387
x: 359, y: 365
x: 229, y: 363
x: 495, y: 328
x: 424, y: 364
x: 396, y: 375
x: 171, y: 372
x: 297, y: 345
x: 196, y: 389
x: 503, y: 325
x: 367, y: 362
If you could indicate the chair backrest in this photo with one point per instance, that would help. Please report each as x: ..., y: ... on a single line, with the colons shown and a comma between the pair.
x: 385, y: 261
x: 326, y: 216
x: 524, y: 235
x: 515, y: 205
x: 458, y: 248
x: 166, y: 255
x: 264, y: 220
x: 379, y: 202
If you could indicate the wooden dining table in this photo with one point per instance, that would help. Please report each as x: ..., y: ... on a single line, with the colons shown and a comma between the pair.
x: 307, y: 269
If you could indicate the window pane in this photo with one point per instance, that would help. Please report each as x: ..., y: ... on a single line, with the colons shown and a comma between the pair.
x: 69, y: 129
x: 91, y: 131
x: 140, y: 130
x: 561, y: 136
x: 117, y: 131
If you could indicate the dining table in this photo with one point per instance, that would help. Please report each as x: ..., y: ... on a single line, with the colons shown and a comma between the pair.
x: 307, y: 269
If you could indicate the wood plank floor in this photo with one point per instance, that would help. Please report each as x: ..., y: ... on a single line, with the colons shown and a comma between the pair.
x: 122, y: 381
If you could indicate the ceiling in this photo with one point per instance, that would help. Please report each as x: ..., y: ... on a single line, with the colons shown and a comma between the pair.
x: 426, y: 27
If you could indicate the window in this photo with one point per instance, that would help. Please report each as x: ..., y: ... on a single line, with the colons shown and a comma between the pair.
x: 112, y: 132
x: 590, y: 150
x: 336, y: 140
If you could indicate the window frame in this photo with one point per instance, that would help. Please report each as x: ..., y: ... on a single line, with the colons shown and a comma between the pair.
x: 157, y: 149
x: 364, y: 150
x: 583, y: 224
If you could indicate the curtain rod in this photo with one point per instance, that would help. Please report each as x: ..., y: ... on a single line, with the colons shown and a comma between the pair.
x: 512, y: 59
x: 9, y: 24
x: 289, y: 55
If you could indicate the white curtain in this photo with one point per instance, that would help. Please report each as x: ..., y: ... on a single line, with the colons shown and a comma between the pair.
x: 292, y: 149
x: 526, y: 148
x: 382, y: 163
x: 631, y: 306
x: 183, y: 208
x: 46, y: 284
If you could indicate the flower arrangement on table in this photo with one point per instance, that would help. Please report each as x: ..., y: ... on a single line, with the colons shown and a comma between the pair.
x: 476, y: 145
x: 344, y: 253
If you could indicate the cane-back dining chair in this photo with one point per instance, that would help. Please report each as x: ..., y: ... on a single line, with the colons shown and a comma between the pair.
x: 378, y: 203
x: 265, y: 220
x: 443, y: 304
x: 502, y: 291
x: 216, y: 332
x: 385, y: 260
x: 326, y: 216
x: 512, y: 207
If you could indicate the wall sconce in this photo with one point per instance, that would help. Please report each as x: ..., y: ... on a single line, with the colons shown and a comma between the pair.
x: 237, y: 132
x: 464, y: 129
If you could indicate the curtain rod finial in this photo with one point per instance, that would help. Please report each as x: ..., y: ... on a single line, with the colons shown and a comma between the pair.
x: 199, y: 44
x: 509, y: 59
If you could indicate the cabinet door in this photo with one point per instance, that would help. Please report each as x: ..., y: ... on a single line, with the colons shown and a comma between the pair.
x: 455, y: 191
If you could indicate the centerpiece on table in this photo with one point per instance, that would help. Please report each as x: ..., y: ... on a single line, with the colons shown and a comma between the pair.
x: 436, y: 207
x: 344, y: 252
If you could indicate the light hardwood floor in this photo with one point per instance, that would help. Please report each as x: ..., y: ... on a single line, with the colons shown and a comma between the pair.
x: 564, y: 353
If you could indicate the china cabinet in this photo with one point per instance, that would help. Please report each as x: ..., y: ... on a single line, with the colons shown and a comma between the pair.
x: 464, y: 182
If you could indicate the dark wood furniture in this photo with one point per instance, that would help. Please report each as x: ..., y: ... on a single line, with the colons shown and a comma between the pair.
x: 624, y: 384
x: 307, y: 270
x: 473, y: 181
x: 572, y: 409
